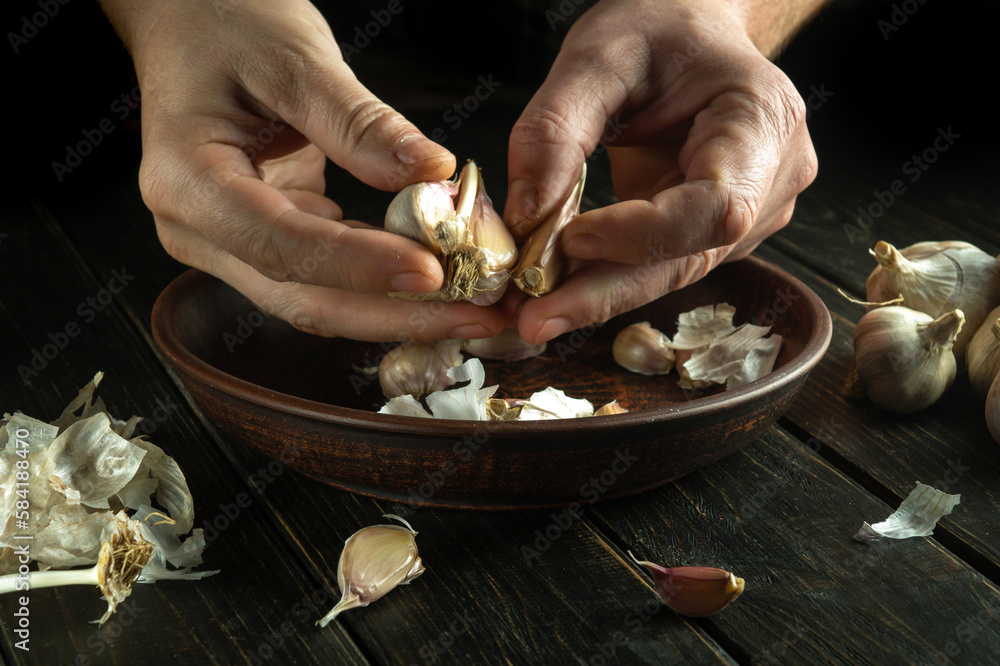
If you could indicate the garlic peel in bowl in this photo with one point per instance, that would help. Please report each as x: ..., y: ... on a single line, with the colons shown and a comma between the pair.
x: 456, y: 221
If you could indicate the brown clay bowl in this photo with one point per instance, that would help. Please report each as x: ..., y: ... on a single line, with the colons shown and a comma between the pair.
x: 281, y: 391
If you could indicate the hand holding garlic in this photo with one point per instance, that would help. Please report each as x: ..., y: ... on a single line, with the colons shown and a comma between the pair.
x: 693, y: 193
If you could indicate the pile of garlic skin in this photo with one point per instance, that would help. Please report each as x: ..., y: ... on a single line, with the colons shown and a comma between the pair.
x: 456, y: 221
x: 931, y: 307
x: 708, y: 349
x: 86, y: 470
x: 473, y: 402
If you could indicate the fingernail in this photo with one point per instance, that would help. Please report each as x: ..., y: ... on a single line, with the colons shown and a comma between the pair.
x: 469, y: 331
x: 553, y: 328
x: 523, y: 198
x: 413, y: 149
x: 412, y: 281
x: 586, y: 246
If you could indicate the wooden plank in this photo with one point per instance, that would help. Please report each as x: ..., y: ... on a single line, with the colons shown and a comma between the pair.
x: 783, y: 519
x: 221, y: 619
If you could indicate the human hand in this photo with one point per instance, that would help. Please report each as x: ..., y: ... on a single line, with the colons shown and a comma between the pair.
x: 240, y: 109
x: 708, y: 148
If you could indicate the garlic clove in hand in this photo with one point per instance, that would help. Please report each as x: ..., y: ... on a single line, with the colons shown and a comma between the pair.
x: 418, y: 368
x: 694, y: 591
x: 543, y: 265
x: 937, y: 277
x: 982, y: 354
x: 375, y: 560
x: 903, y: 359
x: 456, y: 221
x: 642, y: 349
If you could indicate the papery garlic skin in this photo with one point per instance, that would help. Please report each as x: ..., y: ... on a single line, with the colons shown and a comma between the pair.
x: 936, y: 277
x: 642, y: 349
x: 694, y: 591
x: 611, y: 408
x: 903, y: 359
x: 982, y: 354
x: 993, y: 409
x: 474, y: 246
x: 542, y: 264
x: 375, y: 560
x: 418, y: 368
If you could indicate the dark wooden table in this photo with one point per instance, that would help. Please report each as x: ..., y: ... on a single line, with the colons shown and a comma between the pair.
x: 780, y: 513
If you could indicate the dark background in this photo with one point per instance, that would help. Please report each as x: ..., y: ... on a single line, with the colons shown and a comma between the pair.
x: 889, y: 95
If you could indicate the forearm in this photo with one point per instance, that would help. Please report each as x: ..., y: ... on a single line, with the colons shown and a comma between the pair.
x: 771, y: 24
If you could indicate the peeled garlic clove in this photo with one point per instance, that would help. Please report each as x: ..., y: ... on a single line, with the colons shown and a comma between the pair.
x: 611, y: 408
x: 642, y: 349
x: 938, y: 277
x: 982, y: 354
x: 375, y: 560
x: 694, y: 591
x: 507, y: 345
x: 903, y: 359
x: 418, y: 368
x: 542, y: 265
x: 455, y: 220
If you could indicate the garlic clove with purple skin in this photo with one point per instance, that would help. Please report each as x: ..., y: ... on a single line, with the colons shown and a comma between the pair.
x: 694, y: 591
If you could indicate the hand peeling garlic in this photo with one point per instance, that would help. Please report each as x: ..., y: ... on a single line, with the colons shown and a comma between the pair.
x: 418, y: 368
x: 375, y: 560
x: 455, y: 219
x: 543, y: 265
x: 642, y: 349
x: 938, y: 277
x: 903, y: 359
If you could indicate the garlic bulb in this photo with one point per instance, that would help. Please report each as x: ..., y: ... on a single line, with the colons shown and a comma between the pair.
x: 938, y: 277
x: 507, y: 345
x: 903, y: 359
x: 642, y: 349
x: 375, y: 560
x: 455, y: 219
x: 982, y: 355
x: 418, y: 368
x: 993, y: 409
x: 543, y: 265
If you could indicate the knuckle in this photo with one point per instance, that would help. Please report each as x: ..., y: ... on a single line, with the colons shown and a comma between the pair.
x: 742, y: 202
x: 357, y: 122
x: 259, y: 248
x: 154, y: 186
x: 541, y: 125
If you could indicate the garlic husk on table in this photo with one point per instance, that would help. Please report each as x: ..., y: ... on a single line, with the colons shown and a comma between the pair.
x: 374, y: 561
x: 903, y: 358
x: 418, y: 368
x: 982, y: 354
x: 936, y: 277
x: 642, y: 349
x: 456, y: 221
x: 542, y: 264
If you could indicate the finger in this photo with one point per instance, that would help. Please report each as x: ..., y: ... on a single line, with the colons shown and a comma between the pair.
x: 262, y: 227
x: 732, y: 159
x: 308, y: 201
x: 602, y: 290
x: 558, y: 130
x: 318, y: 94
x: 300, y: 170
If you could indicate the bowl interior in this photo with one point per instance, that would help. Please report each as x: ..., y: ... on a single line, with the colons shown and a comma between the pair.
x: 215, y: 326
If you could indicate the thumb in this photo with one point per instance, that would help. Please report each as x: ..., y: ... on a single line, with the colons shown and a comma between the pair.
x: 559, y: 129
x: 322, y: 99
